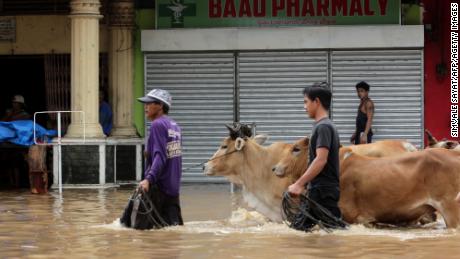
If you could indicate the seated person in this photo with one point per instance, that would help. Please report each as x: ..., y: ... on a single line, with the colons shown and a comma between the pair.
x: 17, y: 112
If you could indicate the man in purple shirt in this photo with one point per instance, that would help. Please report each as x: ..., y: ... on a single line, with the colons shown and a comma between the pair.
x: 164, y: 157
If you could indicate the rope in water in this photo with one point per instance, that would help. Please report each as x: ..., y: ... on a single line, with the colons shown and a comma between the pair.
x: 149, y: 206
x: 303, y: 213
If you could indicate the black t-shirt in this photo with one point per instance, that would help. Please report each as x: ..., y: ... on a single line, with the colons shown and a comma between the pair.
x: 324, y: 134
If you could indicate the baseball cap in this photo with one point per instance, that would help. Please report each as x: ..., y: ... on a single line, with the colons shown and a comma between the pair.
x: 18, y: 99
x: 157, y: 95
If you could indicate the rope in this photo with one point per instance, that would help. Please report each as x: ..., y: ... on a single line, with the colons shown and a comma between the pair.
x: 149, y: 206
x: 304, y: 213
x: 193, y: 166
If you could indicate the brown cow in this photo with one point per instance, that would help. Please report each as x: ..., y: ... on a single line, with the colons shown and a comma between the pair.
x: 244, y: 161
x: 366, y: 192
x: 402, y: 189
x: 296, y: 164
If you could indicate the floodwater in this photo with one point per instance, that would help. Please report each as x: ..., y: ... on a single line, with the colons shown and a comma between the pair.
x: 83, y: 223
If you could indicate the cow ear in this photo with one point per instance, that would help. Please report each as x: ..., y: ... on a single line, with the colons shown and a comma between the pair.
x: 239, y: 143
x: 260, y: 139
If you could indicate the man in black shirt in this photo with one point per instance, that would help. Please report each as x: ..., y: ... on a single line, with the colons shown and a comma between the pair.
x: 322, y: 174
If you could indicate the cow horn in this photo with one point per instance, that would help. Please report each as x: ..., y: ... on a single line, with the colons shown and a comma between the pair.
x: 246, y: 130
x: 431, y: 140
x: 233, y: 127
x: 238, y: 129
x: 230, y: 127
x: 237, y: 126
x: 233, y: 130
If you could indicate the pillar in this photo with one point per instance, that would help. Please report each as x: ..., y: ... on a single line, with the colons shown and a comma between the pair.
x: 121, y: 66
x: 84, y: 15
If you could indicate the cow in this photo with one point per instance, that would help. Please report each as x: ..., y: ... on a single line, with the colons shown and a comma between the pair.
x: 243, y: 160
x: 401, y: 190
x: 369, y: 210
x: 444, y: 143
x: 296, y: 164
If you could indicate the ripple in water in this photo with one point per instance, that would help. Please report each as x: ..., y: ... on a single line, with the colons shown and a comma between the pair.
x: 243, y: 221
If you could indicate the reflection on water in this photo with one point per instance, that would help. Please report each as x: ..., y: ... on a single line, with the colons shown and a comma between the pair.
x: 84, y: 223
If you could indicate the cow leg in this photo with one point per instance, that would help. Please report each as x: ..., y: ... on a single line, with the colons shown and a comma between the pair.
x: 427, y: 218
x: 349, y: 212
x: 450, y: 211
x: 349, y: 206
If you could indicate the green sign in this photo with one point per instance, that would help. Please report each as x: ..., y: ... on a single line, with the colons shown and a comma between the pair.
x: 274, y: 13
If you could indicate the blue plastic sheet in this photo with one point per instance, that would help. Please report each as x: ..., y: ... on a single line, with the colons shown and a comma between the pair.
x: 22, y: 132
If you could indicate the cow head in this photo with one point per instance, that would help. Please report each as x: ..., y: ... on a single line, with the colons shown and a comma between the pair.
x: 444, y: 143
x: 229, y: 157
x: 295, y: 162
x: 237, y: 129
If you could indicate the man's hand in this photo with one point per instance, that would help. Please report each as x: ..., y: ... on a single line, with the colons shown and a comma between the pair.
x: 352, y: 138
x: 363, y: 139
x: 144, y: 185
x: 295, y: 189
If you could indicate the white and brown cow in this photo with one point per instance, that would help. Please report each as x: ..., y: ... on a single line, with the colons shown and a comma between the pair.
x: 243, y: 160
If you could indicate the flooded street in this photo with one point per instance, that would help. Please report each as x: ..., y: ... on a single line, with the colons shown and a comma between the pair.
x: 84, y: 224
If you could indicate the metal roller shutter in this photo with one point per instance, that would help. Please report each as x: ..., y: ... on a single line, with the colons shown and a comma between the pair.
x: 395, y: 77
x: 270, y: 91
x: 202, y: 87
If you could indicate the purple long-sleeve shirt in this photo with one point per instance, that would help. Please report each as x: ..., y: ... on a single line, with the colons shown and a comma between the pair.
x: 164, y: 159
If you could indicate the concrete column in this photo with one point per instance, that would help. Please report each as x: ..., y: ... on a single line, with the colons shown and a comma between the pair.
x: 84, y: 15
x: 121, y: 66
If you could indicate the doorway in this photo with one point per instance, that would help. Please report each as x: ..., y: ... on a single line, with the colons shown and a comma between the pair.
x: 21, y: 75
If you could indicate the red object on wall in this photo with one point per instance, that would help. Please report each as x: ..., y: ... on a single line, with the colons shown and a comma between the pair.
x: 437, y: 52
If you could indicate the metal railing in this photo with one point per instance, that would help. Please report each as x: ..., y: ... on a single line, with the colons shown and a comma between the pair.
x: 59, y: 138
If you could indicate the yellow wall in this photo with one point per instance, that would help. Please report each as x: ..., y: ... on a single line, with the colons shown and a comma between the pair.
x: 44, y: 34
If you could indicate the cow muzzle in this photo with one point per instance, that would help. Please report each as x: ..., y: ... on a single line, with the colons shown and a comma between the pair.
x: 207, y: 169
x: 278, y: 170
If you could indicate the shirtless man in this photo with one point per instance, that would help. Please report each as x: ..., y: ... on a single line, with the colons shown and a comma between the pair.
x: 363, y: 132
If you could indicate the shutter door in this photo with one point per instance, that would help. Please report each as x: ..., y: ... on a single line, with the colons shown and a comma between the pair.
x: 202, y: 87
x: 271, y: 85
x: 395, y: 77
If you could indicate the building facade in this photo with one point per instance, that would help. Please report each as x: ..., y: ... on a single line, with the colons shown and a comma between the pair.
x: 223, y: 61
x: 248, y: 61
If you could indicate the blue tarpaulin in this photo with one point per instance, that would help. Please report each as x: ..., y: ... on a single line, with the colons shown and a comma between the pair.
x: 22, y: 132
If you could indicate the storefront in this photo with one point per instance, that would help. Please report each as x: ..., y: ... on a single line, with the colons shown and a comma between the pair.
x: 255, y: 73
x: 59, y: 55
